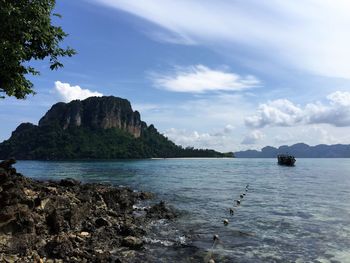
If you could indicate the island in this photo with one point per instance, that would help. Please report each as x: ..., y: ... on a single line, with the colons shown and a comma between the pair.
x: 94, y: 128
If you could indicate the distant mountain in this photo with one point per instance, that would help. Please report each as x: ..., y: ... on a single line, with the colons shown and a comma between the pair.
x: 300, y: 150
x: 94, y: 128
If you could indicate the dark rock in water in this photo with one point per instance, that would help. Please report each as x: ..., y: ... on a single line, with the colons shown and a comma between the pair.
x: 161, y: 211
x: 132, y: 242
x: 6, y: 168
x: 146, y: 195
x: 7, y: 164
x: 67, y: 221
x: 68, y: 182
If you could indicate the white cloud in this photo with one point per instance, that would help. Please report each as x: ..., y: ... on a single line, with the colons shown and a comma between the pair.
x: 282, y: 112
x: 69, y: 93
x: 306, y: 34
x: 195, y: 121
x: 253, y: 137
x: 311, y: 134
x: 279, y: 112
x: 169, y: 37
x: 228, y: 128
x: 201, y: 113
x: 145, y: 107
x: 340, y: 98
x: 199, y: 78
x: 221, y: 140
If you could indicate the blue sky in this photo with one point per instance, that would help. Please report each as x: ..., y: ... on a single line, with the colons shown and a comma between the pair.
x: 227, y: 75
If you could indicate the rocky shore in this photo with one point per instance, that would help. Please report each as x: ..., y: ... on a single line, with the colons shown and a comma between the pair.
x: 67, y: 221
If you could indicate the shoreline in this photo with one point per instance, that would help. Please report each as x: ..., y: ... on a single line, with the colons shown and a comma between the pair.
x: 67, y: 221
x: 126, y: 159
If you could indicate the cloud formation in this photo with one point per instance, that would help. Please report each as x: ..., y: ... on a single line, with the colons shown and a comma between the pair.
x: 306, y: 34
x: 216, y: 140
x: 253, y: 137
x: 283, y: 112
x: 68, y: 93
x: 199, y: 79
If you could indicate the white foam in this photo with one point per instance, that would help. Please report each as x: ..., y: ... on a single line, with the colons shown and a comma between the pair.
x: 341, y: 256
x: 166, y: 243
x: 181, y: 240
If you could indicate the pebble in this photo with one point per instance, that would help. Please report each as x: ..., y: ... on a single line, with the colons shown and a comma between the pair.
x: 10, y: 258
x: 128, y: 254
x: 84, y: 234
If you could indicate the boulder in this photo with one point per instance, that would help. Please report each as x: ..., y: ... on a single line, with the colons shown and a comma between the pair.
x: 159, y: 211
x: 69, y: 182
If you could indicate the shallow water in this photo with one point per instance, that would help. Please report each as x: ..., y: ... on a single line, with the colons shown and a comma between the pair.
x: 289, y: 214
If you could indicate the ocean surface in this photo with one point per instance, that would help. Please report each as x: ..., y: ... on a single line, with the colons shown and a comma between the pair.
x: 289, y: 214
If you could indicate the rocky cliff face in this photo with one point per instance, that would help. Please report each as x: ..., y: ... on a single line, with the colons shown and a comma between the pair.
x: 95, y: 112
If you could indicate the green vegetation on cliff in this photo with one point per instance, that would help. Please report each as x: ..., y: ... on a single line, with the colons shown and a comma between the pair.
x: 52, y: 139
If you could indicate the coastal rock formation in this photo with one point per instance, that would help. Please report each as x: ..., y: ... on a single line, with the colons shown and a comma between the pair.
x: 95, y: 112
x: 67, y: 221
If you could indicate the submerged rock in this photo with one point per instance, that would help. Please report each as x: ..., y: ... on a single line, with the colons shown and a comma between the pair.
x: 132, y: 242
x: 160, y: 211
x: 67, y: 221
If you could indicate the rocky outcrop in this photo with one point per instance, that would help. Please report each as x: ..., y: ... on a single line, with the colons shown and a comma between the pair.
x: 95, y: 112
x: 67, y: 221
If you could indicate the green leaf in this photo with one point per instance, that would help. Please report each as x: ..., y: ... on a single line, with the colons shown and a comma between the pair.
x: 26, y: 34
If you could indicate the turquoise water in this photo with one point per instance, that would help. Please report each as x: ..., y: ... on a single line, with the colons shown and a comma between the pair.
x: 289, y: 214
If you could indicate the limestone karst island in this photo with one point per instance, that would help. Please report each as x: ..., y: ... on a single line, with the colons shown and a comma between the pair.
x: 94, y: 128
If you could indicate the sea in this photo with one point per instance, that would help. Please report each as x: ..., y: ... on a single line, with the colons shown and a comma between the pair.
x: 288, y: 214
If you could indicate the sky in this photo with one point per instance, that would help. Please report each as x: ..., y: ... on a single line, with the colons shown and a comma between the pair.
x: 227, y: 75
